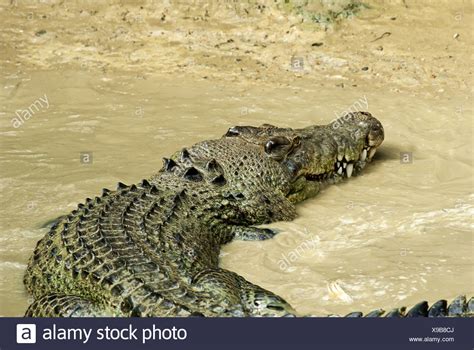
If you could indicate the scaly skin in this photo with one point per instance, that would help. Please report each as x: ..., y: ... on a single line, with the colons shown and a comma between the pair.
x: 152, y: 249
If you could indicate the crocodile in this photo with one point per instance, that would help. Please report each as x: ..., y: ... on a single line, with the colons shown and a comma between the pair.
x: 152, y: 248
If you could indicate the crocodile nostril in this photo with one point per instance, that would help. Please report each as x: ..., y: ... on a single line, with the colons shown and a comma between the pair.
x: 375, y: 137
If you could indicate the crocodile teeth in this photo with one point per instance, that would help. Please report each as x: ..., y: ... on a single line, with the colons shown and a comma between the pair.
x: 372, y: 152
x: 339, y: 171
x: 344, y: 165
x: 338, y: 164
x: 363, y: 155
x: 349, y: 169
x: 339, y: 157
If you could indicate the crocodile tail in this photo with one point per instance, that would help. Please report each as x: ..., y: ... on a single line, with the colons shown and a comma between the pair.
x: 459, y: 307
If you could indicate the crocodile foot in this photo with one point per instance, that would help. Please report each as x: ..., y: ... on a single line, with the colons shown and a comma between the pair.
x: 250, y: 233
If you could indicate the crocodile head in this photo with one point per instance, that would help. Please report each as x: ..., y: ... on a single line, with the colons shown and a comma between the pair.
x: 341, y: 148
x: 318, y: 154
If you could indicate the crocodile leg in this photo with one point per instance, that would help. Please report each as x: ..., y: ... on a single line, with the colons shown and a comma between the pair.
x: 58, y: 305
x: 231, y: 294
x: 250, y: 233
x: 303, y: 189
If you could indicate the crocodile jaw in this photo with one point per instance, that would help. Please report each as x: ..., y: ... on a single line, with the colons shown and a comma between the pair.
x: 335, y: 151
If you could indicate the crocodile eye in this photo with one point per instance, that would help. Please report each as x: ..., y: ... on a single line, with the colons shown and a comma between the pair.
x: 278, y: 147
x: 276, y: 143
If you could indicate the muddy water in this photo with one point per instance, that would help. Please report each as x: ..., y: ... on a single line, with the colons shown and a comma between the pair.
x: 400, y: 233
